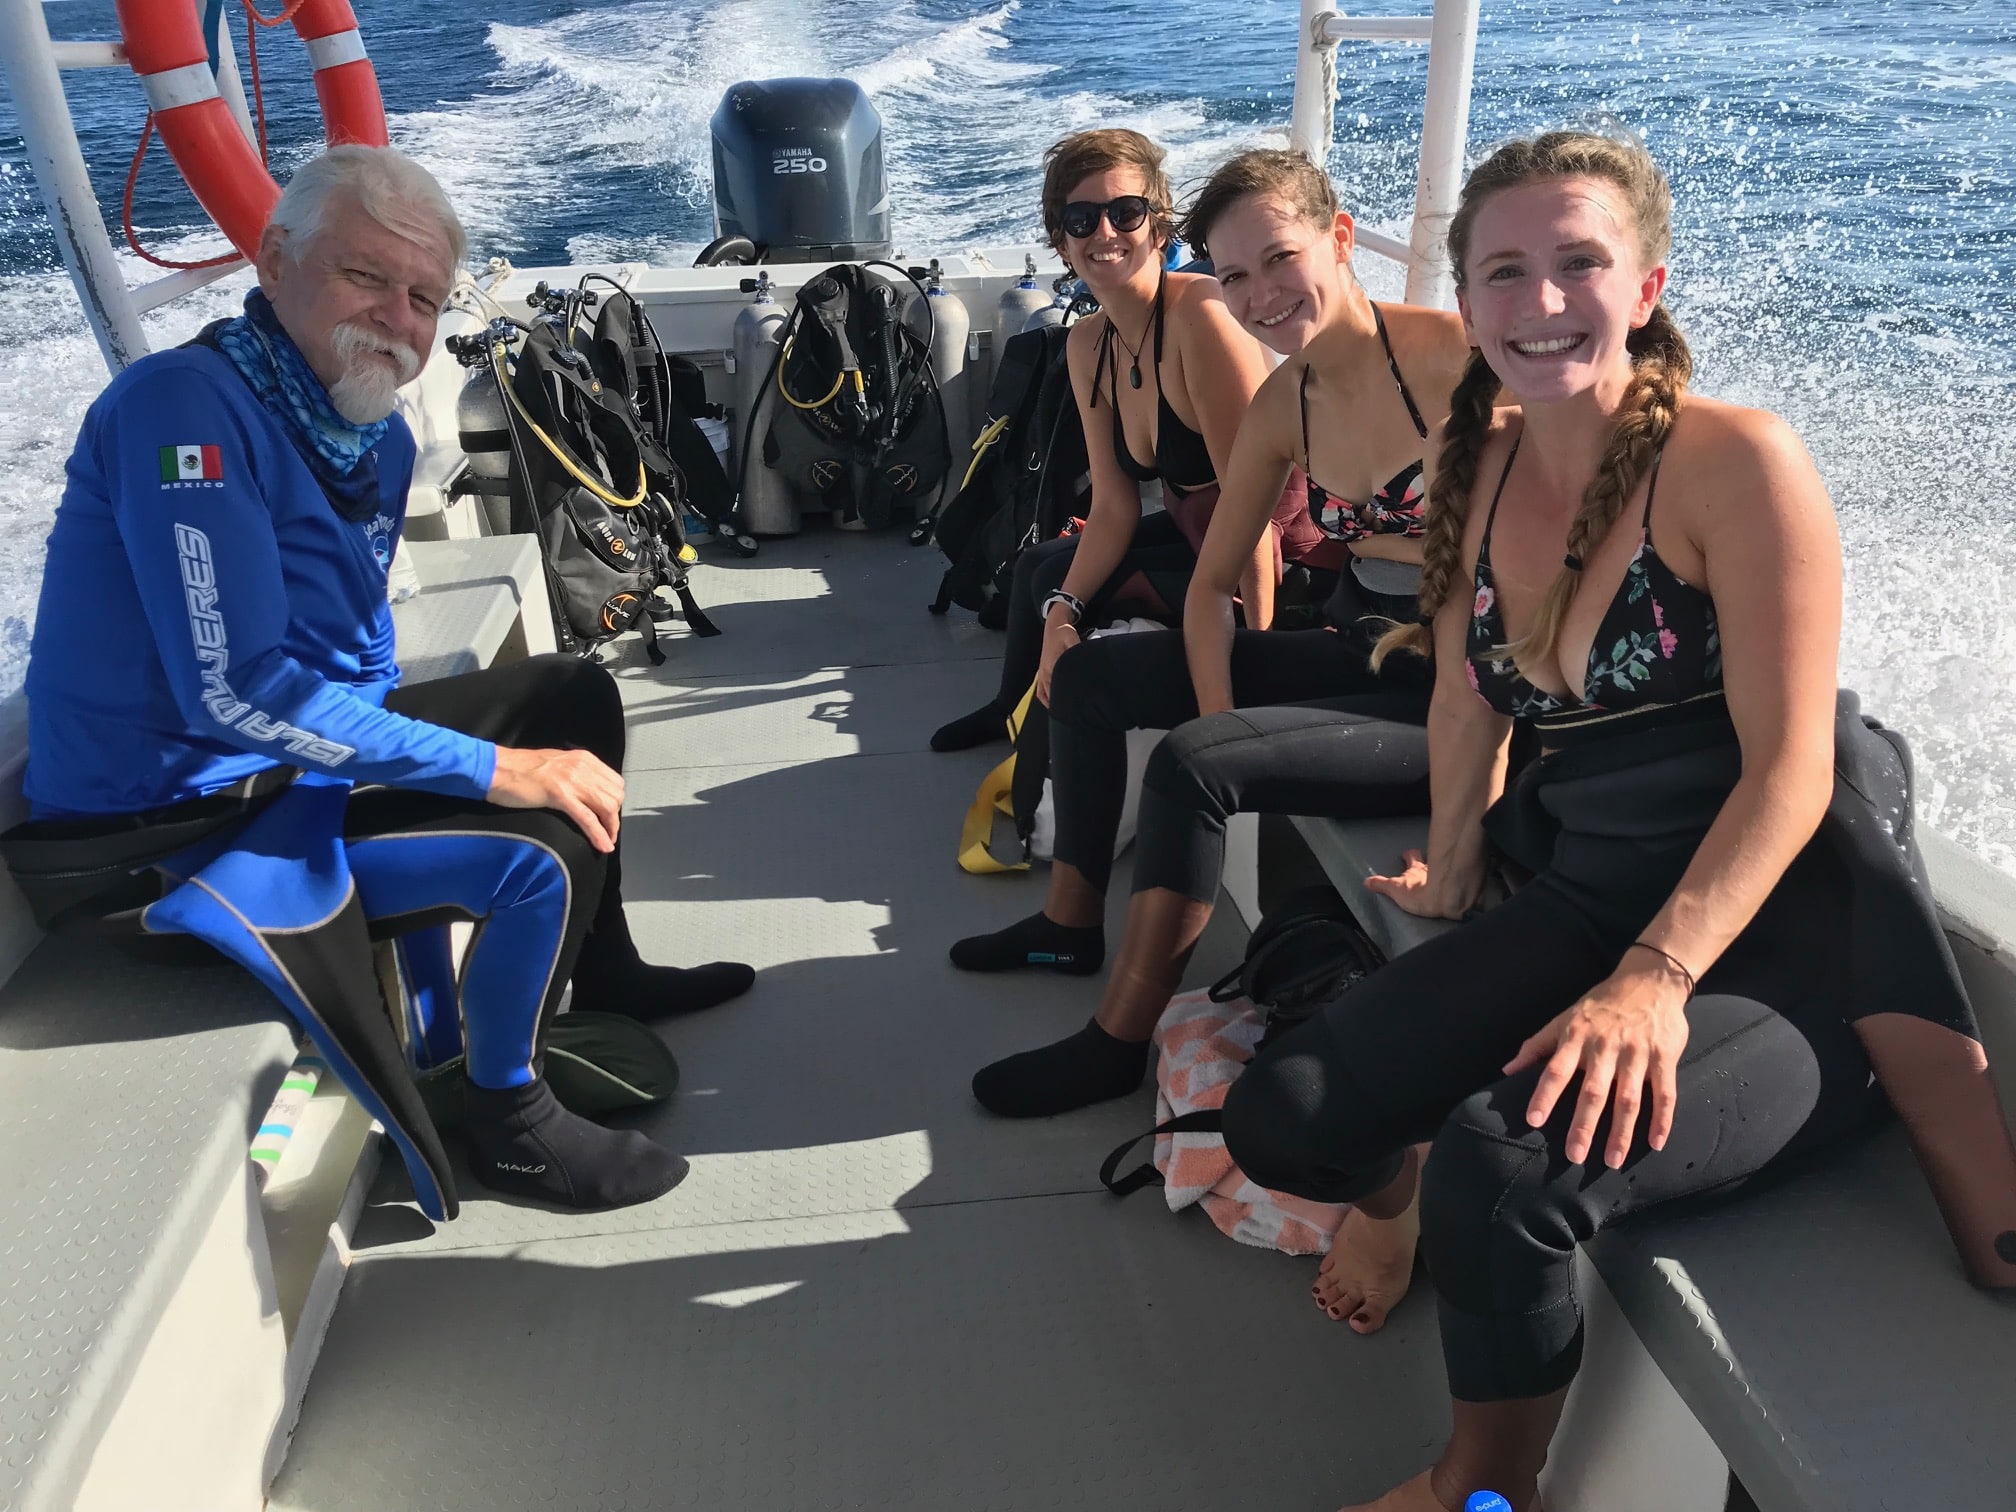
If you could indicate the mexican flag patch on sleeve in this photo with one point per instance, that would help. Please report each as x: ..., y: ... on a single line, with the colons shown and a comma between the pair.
x: 192, y: 464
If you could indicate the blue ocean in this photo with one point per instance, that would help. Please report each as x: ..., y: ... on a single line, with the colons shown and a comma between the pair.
x: 1846, y: 248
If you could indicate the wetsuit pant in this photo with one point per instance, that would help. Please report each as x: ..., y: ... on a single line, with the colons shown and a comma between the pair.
x: 1771, y: 1070
x: 539, y: 894
x: 1113, y: 684
x: 1158, y: 553
x: 1364, y: 757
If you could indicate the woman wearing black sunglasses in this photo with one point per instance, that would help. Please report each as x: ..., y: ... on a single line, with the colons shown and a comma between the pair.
x: 1163, y: 375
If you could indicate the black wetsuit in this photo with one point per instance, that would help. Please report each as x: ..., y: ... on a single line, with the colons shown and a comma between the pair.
x: 1607, y: 823
x: 1310, y: 735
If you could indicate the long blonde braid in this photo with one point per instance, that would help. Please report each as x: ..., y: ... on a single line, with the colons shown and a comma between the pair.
x: 1448, y: 507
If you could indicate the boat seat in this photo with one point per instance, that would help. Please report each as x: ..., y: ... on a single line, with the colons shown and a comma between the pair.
x: 130, y: 1092
x: 1814, y: 1330
x: 469, y: 609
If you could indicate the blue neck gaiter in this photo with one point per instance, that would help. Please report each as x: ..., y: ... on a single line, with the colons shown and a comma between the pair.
x: 273, y: 367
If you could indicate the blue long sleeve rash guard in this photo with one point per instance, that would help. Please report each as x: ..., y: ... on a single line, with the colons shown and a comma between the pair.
x: 206, y: 613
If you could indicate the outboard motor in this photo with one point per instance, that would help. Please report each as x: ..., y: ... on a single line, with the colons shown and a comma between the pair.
x: 798, y: 171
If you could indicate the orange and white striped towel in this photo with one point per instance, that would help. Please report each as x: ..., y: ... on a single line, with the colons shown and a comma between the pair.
x: 1201, y: 1047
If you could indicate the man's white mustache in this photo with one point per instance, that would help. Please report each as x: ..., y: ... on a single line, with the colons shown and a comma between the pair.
x: 349, y: 342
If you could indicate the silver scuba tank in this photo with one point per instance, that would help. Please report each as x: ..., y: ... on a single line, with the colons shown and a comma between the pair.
x: 484, y: 429
x: 1053, y: 313
x: 953, y: 366
x: 766, y: 502
x: 1012, y: 313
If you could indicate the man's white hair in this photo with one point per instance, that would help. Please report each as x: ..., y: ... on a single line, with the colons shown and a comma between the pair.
x: 390, y: 187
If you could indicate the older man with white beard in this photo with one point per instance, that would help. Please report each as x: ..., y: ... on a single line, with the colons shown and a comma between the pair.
x: 214, y: 653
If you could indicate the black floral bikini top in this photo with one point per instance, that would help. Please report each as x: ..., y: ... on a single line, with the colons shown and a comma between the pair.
x: 1659, y: 643
x: 1394, y: 509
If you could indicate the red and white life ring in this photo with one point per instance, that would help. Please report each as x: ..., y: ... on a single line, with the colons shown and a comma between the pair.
x: 164, y: 43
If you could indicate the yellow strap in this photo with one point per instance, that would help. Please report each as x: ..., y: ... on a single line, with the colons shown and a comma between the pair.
x: 985, y: 439
x: 592, y: 484
x: 996, y: 795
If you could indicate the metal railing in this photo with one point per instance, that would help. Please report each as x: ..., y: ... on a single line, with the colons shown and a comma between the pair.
x: 34, y: 69
x: 1451, y: 36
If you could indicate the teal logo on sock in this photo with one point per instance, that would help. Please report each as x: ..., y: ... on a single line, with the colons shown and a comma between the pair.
x: 1046, y: 958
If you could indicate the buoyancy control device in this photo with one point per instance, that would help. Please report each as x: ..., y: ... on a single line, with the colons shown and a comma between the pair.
x: 669, y: 394
x: 859, y: 423
x: 1027, y: 479
x: 585, y: 473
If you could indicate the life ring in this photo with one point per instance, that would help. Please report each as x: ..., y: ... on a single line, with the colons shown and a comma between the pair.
x: 164, y: 43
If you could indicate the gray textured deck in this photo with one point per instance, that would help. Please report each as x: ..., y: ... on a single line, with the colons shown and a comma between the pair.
x: 868, y: 1294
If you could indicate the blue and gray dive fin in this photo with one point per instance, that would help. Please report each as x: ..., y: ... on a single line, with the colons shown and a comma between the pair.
x: 280, y: 902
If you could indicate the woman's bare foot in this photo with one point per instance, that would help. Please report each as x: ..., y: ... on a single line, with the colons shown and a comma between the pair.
x: 1367, y: 1271
x: 1419, y: 1495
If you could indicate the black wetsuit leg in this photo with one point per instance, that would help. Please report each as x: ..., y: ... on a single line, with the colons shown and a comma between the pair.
x: 1114, y: 684
x: 1344, y: 758
x: 1771, y: 1071
x: 563, y: 702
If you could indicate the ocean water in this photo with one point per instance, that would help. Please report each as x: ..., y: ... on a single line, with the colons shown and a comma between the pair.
x: 1846, y: 247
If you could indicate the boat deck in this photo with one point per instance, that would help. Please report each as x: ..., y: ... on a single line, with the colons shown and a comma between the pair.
x: 868, y: 1293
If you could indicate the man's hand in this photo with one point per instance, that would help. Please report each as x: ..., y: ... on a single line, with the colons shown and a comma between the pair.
x: 576, y: 783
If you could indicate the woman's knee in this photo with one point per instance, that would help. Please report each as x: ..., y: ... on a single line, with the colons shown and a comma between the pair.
x: 1489, y: 1195
x: 1280, y: 1128
x: 1081, y: 686
x: 1181, y: 766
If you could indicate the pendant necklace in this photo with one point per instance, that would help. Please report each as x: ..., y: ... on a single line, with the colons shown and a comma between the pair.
x: 1134, y: 352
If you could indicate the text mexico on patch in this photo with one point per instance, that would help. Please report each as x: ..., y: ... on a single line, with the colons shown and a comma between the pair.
x: 192, y: 467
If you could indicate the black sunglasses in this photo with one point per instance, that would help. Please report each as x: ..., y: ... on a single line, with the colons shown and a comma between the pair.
x: 1080, y: 218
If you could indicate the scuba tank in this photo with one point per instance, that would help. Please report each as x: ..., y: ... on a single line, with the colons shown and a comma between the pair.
x: 1012, y: 312
x: 484, y: 429
x: 764, y: 500
x: 951, y: 330
x: 1069, y: 300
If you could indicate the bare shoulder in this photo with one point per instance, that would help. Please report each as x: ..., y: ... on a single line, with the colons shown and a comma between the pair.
x: 1191, y: 293
x: 1276, y: 410
x: 1083, y: 340
x: 1194, y: 305
x: 1730, y: 457
x: 1423, y: 326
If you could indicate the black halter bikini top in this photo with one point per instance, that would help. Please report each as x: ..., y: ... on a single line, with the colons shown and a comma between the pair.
x: 1394, y: 509
x: 1182, y: 461
x: 1659, y: 643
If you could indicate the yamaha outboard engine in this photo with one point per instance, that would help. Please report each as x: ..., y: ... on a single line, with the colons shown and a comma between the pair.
x: 798, y: 171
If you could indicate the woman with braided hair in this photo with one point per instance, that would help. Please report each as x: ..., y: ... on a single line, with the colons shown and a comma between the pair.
x: 1726, y: 928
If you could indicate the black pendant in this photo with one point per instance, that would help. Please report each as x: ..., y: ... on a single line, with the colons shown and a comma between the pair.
x: 1134, y: 375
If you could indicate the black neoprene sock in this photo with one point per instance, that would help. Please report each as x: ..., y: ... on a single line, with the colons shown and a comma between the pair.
x: 1035, y: 941
x: 609, y: 983
x: 521, y: 1141
x: 1089, y: 1067
x: 983, y: 726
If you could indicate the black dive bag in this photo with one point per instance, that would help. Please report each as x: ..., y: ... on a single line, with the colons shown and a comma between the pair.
x: 1028, y: 477
x: 862, y: 424
x: 1308, y: 951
